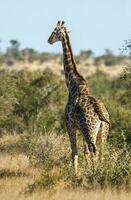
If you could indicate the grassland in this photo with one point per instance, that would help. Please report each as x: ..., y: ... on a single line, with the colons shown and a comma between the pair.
x: 34, y: 146
x: 17, y: 175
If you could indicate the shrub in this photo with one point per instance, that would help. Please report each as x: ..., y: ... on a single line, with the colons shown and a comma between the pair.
x: 115, y: 93
x: 50, y: 153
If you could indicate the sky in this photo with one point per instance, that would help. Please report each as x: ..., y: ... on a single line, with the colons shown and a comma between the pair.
x: 94, y: 24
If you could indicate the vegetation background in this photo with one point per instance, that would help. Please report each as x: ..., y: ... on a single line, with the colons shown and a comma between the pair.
x: 34, y: 146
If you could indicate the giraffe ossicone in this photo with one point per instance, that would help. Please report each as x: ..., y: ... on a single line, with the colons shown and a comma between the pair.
x: 83, y: 111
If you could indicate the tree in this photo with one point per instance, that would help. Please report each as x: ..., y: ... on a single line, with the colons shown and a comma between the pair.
x: 15, y: 45
x: 13, y: 50
x: 126, y: 48
x: 29, y: 54
x: 108, y: 52
x: 86, y: 54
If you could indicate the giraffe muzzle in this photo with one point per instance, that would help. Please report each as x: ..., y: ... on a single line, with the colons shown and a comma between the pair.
x: 49, y: 41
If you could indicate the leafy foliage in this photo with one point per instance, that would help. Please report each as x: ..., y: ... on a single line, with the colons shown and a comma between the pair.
x: 30, y: 102
x: 116, y: 96
x: 35, y: 101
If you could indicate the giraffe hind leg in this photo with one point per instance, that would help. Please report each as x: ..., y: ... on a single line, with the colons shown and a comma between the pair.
x: 102, y: 138
x: 86, y: 150
x: 89, y: 140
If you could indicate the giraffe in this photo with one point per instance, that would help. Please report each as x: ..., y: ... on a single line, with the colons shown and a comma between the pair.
x: 83, y: 111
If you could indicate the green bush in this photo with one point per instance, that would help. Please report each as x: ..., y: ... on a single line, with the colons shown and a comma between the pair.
x: 35, y: 101
x: 32, y: 102
x: 116, y: 94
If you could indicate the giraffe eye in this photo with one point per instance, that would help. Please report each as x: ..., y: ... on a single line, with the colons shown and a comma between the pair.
x: 54, y: 31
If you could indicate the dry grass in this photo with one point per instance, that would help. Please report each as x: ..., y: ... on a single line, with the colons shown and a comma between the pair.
x: 15, y: 170
x: 80, y: 195
x: 86, y: 68
x: 16, y: 174
x: 14, y: 189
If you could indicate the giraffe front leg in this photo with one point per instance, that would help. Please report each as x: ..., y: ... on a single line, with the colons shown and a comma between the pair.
x: 72, y: 136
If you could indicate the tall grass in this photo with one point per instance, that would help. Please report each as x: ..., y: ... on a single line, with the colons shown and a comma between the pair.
x: 51, y: 154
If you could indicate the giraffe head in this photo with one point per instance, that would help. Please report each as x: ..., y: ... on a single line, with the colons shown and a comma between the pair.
x: 58, y: 33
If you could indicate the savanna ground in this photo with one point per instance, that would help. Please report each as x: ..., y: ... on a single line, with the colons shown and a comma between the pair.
x: 34, y: 146
x: 21, y: 179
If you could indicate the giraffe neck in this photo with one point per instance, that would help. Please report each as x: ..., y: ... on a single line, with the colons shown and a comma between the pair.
x: 69, y: 62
